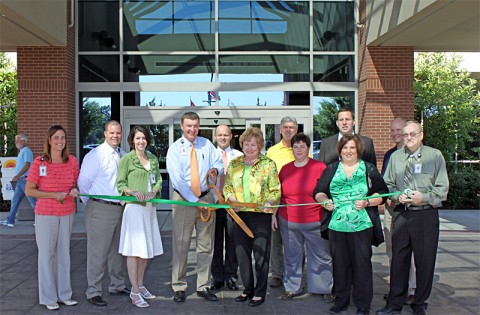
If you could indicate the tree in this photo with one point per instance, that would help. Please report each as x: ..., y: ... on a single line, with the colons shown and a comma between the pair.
x: 325, y: 120
x: 8, y: 105
x: 94, y: 116
x: 446, y: 101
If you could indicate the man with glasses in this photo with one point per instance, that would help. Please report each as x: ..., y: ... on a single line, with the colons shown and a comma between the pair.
x: 420, y: 173
x: 345, y: 123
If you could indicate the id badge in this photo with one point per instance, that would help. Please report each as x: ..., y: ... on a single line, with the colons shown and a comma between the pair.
x: 152, y: 178
x: 418, y: 168
x: 43, y: 170
x: 183, y: 151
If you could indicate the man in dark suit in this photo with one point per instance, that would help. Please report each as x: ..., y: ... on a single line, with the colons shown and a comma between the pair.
x: 345, y: 124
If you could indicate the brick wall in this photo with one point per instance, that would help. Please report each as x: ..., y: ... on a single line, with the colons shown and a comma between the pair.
x: 46, y: 91
x: 385, y: 89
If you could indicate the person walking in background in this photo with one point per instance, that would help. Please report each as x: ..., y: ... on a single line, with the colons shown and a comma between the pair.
x: 351, y: 229
x: 253, y: 178
x: 140, y: 240
x: 190, y: 160
x: 396, y: 133
x: 345, y: 123
x: 300, y: 225
x: 224, y: 272
x: 103, y: 218
x: 53, y: 181
x: 281, y: 154
x: 24, y: 159
x: 422, y: 170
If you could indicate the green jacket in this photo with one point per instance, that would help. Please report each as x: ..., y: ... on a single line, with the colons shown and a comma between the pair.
x: 133, y: 175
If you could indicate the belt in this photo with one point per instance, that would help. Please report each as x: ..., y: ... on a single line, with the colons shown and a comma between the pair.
x: 203, y: 194
x: 113, y: 203
x: 417, y: 208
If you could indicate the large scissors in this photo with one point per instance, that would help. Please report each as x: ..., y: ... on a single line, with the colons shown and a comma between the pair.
x: 230, y: 211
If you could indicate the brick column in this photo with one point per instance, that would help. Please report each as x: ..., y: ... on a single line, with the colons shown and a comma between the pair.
x: 385, y: 89
x: 46, y: 91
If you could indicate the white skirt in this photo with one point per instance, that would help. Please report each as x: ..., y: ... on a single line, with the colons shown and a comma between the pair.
x: 140, y: 235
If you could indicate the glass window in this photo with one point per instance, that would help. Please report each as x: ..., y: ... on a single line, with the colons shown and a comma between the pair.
x: 187, y: 25
x: 97, y: 108
x: 288, y: 68
x: 333, y: 26
x: 326, y: 106
x: 330, y: 68
x: 263, y: 25
x: 98, y: 25
x: 168, y: 68
x: 98, y: 68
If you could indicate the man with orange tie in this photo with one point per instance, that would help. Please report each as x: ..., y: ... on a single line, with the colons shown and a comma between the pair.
x: 224, y: 272
x: 189, y: 160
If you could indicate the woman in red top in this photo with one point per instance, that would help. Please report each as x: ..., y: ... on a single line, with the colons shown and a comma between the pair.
x: 52, y: 179
x: 300, y: 225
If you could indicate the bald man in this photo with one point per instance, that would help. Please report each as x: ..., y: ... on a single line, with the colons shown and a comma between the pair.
x: 224, y: 271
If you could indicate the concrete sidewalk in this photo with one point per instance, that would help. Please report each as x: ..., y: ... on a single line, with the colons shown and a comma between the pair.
x: 456, y: 285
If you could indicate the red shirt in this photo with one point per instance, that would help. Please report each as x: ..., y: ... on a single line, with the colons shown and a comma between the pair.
x: 298, y: 184
x: 61, y: 177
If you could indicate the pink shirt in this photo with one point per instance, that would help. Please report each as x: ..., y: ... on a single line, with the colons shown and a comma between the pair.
x: 298, y: 184
x: 61, y: 177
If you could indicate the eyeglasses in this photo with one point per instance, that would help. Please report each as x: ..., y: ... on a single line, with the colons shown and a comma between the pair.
x: 411, y: 134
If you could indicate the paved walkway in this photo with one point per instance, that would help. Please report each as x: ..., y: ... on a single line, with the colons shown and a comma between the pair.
x: 456, y: 287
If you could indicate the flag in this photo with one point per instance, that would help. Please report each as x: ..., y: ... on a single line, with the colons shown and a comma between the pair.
x: 192, y: 103
x: 213, y: 96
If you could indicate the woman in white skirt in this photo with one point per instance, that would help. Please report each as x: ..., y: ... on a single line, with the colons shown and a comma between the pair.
x: 139, y: 176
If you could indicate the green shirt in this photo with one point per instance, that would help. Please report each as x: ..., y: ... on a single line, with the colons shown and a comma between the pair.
x: 345, y: 218
x: 429, y: 174
x: 246, y: 182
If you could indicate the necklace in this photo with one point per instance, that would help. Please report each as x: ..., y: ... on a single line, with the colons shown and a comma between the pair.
x: 250, y: 162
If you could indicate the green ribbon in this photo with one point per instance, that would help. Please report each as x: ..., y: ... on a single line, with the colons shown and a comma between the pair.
x: 325, y: 202
x: 160, y: 201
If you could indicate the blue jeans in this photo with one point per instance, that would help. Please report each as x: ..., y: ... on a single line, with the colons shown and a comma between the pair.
x: 18, y: 195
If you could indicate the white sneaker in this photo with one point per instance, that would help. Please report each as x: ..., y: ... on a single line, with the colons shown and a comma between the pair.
x: 53, y: 306
x: 69, y: 302
x: 5, y: 222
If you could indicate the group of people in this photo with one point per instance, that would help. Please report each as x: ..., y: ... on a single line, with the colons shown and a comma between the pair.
x: 304, y: 213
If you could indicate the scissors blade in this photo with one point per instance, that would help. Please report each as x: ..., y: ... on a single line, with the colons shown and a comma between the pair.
x: 240, y: 222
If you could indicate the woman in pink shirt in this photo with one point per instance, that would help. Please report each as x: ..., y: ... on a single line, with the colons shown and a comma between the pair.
x: 52, y: 180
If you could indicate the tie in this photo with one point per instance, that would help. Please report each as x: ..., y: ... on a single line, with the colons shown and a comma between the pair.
x: 408, y: 178
x: 194, y: 173
x: 225, y: 165
x: 116, y: 155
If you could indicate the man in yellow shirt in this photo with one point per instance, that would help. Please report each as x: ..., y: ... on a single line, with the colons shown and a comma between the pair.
x: 281, y: 154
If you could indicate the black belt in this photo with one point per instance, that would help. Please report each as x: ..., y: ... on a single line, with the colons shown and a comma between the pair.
x: 113, y: 203
x: 417, y: 208
x: 203, y: 194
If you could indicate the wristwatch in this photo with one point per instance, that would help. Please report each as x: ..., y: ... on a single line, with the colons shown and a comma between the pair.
x: 368, y: 202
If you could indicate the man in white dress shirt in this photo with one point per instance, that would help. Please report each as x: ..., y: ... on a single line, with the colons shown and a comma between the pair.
x: 224, y: 272
x: 103, y: 218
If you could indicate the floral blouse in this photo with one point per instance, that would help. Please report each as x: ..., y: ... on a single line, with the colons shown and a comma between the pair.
x: 264, y: 182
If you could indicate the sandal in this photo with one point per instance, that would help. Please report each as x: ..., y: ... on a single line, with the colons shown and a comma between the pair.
x: 138, y: 300
x: 289, y: 295
x: 146, y: 294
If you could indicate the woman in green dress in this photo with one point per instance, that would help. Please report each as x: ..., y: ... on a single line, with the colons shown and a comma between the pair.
x: 350, y: 229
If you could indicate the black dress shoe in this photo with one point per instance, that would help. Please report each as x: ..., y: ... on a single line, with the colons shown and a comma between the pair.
x: 419, y: 310
x: 363, y: 311
x: 389, y: 310
x: 242, y: 298
x: 97, y: 301
x: 337, y: 309
x: 179, y: 296
x: 232, y: 285
x: 125, y: 291
x: 216, y: 285
x: 207, y: 295
x: 254, y: 303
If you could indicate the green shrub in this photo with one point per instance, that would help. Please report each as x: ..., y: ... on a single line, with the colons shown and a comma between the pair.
x: 464, y: 190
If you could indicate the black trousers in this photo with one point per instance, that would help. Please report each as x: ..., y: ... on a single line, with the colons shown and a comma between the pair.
x: 223, y: 271
x: 352, y: 267
x: 261, y: 226
x: 417, y: 232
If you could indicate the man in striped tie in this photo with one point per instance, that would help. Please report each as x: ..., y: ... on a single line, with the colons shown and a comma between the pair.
x: 421, y: 170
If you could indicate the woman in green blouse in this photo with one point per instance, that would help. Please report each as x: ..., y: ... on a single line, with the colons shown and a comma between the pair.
x: 140, y: 240
x: 253, y: 178
x: 351, y: 230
